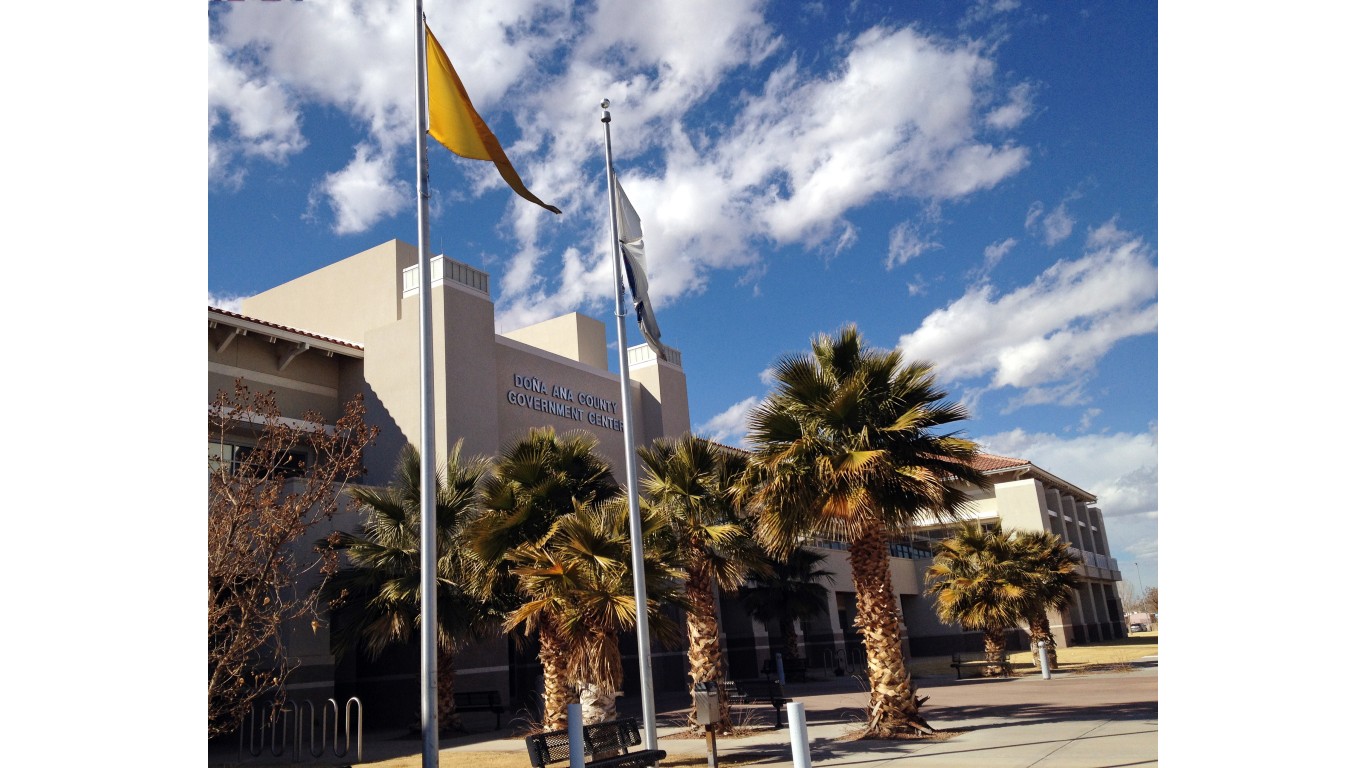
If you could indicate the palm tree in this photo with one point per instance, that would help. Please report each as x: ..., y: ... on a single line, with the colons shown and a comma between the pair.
x: 383, y: 579
x: 535, y: 481
x: 791, y: 591
x: 1052, y: 567
x: 579, y: 579
x: 691, y: 483
x: 845, y: 448
x: 979, y: 578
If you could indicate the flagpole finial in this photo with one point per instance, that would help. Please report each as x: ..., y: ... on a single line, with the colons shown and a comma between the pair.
x: 606, y: 116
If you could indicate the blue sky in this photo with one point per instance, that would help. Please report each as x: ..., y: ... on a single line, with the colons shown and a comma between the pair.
x: 973, y: 183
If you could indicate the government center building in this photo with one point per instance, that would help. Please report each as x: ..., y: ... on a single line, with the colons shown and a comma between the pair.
x: 352, y: 328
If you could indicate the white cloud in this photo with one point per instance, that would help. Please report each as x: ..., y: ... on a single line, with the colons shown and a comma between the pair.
x: 994, y: 253
x: 1046, y: 335
x: 906, y: 244
x: 361, y: 193
x: 1054, y: 226
x: 227, y: 302
x: 899, y: 115
x: 985, y: 9
x: 1014, y: 112
x: 357, y: 58
x: 731, y: 425
x: 249, y: 116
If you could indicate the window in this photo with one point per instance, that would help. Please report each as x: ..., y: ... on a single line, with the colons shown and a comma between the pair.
x: 289, y: 464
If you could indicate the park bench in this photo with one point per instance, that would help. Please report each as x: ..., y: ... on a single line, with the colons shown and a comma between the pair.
x: 605, y: 745
x: 978, y: 661
x: 794, y: 669
x: 481, y: 701
x: 733, y: 692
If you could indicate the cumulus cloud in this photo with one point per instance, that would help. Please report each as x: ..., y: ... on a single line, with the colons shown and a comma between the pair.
x: 1012, y: 113
x: 250, y: 115
x: 356, y: 58
x: 226, y: 301
x: 361, y: 193
x: 731, y: 425
x: 899, y: 114
x: 1043, y: 336
x: 1053, y: 226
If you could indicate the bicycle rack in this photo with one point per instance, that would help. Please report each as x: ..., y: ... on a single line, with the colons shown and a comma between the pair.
x: 275, y: 731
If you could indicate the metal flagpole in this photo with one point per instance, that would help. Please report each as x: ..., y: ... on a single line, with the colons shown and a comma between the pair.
x: 647, y: 688
x: 427, y: 620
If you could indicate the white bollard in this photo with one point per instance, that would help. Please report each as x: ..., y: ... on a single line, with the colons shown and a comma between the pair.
x: 575, y: 736
x: 796, y: 728
x: 1043, y: 660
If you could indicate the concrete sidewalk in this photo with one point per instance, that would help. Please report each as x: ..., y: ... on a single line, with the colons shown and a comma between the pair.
x: 1074, y: 720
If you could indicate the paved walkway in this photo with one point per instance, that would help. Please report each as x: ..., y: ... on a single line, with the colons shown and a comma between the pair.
x: 1074, y: 720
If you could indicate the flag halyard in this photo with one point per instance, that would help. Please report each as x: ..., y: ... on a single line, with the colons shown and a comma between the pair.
x: 455, y: 124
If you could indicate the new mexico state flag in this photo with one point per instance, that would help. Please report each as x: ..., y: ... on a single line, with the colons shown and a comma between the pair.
x: 457, y: 127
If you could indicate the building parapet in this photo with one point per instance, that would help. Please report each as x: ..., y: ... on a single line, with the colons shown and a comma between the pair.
x: 642, y: 354
x: 446, y: 269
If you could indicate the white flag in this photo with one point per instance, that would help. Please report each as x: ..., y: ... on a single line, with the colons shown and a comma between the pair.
x: 633, y: 256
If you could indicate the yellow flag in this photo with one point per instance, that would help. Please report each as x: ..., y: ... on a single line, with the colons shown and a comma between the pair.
x: 457, y: 127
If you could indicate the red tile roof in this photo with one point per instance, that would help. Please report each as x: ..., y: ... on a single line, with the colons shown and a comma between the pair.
x: 987, y: 462
x: 277, y: 326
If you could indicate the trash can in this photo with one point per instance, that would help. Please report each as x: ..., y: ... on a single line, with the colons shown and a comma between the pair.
x: 707, y: 699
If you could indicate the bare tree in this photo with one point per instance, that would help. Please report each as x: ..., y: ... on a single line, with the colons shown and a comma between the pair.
x: 1148, y: 603
x: 1128, y: 597
x: 271, y: 480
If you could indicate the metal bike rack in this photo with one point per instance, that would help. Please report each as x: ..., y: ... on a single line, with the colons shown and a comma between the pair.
x: 270, y: 728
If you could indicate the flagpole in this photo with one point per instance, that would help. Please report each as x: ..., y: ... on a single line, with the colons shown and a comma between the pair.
x: 647, y: 688
x: 427, y: 616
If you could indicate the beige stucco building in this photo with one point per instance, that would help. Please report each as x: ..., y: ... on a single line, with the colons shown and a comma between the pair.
x: 351, y: 328
x: 1020, y: 496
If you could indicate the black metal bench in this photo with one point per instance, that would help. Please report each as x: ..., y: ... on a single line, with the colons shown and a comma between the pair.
x: 481, y: 701
x: 733, y: 692
x: 605, y: 745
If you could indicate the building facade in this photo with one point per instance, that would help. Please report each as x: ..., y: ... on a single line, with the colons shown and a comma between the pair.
x: 1019, y: 496
x: 351, y: 328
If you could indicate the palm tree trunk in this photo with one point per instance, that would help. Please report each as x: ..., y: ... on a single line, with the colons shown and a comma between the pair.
x: 598, y: 666
x: 599, y: 702
x: 1040, y: 629
x: 790, y: 649
x: 704, y: 644
x: 447, y: 718
x: 892, y: 709
x: 995, y: 641
x: 558, y: 691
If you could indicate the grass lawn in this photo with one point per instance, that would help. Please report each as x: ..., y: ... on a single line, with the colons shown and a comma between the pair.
x: 1098, y: 656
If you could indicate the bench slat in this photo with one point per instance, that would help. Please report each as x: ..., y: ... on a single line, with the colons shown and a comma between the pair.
x: 609, y: 737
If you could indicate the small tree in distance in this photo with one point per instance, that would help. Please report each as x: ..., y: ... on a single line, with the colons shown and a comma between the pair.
x: 267, y: 490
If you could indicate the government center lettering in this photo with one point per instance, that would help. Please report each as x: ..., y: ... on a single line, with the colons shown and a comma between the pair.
x: 563, y: 402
